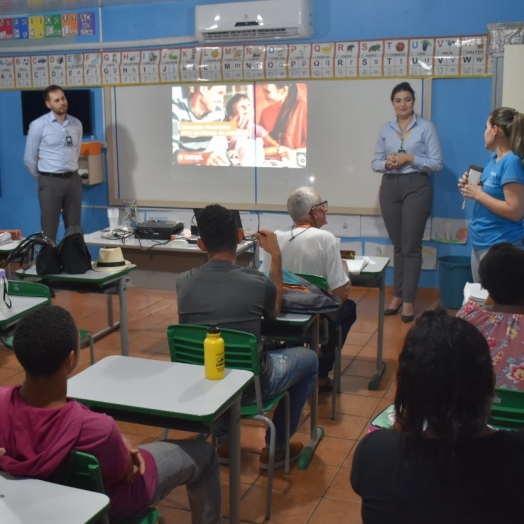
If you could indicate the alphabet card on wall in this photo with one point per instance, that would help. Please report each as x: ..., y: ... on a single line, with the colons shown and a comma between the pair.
x: 346, y: 59
x: 299, y: 60
x: 322, y: 60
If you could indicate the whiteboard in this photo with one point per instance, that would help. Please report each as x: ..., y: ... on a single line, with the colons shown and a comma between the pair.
x: 344, y: 119
x: 513, y: 78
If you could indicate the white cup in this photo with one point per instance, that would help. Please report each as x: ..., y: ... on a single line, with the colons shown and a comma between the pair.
x: 113, y: 214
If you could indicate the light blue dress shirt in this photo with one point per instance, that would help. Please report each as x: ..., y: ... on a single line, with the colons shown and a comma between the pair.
x: 53, y: 147
x: 420, y: 140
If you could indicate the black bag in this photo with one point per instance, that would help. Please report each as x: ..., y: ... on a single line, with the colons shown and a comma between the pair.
x: 72, y: 252
x: 47, y: 260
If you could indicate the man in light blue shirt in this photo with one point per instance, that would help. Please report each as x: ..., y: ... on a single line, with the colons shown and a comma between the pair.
x: 51, y: 155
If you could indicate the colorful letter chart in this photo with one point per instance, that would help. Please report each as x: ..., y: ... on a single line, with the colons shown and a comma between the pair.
x: 130, y: 67
x: 149, y: 66
x: 36, y: 27
x: 322, y: 60
x: 21, y: 28
x: 23, y: 78
x: 396, y: 57
x: 276, y: 62
x: 211, y: 63
x: 92, y: 69
x: 70, y: 25
x: 189, y: 62
x: 39, y: 71
x: 7, y: 72
x: 169, y: 63
x: 421, y: 56
x: 6, y: 29
x: 454, y: 56
x: 346, y: 59
x: 53, y: 25
x: 371, y: 58
x: 300, y: 60
x: 75, y: 69
x: 57, y: 70
x: 254, y: 62
x: 111, y: 68
x: 447, y: 57
x: 232, y: 59
x: 86, y: 24
x: 474, y: 59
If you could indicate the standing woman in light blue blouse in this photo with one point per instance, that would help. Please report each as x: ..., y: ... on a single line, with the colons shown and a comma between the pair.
x: 407, y: 151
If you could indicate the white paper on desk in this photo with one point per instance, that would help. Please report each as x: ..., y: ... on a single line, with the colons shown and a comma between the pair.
x: 343, y: 225
x: 356, y: 265
x: 374, y: 249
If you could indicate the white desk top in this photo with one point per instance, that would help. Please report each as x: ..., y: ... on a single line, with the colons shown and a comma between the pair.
x: 20, y: 306
x: 91, y: 276
x: 157, y: 387
x: 374, y: 265
x: 96, y: 239
x: 31, y: 501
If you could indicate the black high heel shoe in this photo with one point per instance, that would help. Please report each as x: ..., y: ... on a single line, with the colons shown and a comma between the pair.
x: 390, y: 312
x: 407, y: 318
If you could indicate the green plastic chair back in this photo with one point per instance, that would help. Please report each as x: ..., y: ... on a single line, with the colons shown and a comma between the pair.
x: 28, y: 289
x: 507, y: 410
x: 186, y: 344
x: 83, y: 472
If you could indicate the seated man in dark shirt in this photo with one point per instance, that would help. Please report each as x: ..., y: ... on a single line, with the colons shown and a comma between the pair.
x: 237, y: 298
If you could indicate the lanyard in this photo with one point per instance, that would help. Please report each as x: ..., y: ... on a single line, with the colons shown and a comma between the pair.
x: 403, y: 135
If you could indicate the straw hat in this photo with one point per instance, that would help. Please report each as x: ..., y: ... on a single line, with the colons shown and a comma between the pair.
x: 110, y: 259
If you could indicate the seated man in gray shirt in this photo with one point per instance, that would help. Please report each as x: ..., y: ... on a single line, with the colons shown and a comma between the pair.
x: 235, y: 297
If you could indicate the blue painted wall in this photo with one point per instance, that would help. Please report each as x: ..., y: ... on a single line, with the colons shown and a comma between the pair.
x: 460, y: 106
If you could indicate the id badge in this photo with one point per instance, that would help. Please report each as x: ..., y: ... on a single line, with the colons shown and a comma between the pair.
x: 401, y: 151
x: 69, y: 140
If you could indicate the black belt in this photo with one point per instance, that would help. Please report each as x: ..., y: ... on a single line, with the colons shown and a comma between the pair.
x: 67, y: 174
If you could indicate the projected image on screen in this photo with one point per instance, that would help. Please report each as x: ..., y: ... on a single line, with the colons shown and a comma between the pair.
x: 239, y: 125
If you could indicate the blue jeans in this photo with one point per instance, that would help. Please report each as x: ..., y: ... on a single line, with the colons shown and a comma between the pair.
x: 294, y: 370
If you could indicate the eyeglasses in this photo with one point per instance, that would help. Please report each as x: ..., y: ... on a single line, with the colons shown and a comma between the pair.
x: 324, y: 203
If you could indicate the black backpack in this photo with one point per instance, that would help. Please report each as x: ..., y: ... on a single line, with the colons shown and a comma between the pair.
x: 72, y: 251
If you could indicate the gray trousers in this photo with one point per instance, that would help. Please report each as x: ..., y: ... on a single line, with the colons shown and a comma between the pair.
x: 59, y: 196
x: 192, y: 463
x: 405, y: 201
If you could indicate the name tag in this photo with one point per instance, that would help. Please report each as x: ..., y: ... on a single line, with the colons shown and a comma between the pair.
x: 401, y: 151
x: 69, y: 140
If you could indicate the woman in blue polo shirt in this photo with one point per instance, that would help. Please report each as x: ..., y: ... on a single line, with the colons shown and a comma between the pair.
x: 499, y: 196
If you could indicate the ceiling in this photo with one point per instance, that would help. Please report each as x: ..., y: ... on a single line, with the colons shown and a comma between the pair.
x: 11, y: 7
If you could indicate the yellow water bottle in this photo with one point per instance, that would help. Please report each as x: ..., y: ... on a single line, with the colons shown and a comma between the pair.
x: 214, y: 357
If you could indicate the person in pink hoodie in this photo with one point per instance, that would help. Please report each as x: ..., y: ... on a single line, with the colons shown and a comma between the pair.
x: 40, y: 425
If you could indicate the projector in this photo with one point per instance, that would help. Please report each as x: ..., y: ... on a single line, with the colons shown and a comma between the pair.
x: 158, y: 229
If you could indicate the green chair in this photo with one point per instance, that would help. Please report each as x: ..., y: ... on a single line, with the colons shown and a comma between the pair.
x: 186, y: 344
x: 321, y: 282
x: 34, y: 289
x: 507, y: 410
x: 82, y: 470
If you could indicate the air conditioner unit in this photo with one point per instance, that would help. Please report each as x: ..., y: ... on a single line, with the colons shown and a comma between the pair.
x: 258, y: 20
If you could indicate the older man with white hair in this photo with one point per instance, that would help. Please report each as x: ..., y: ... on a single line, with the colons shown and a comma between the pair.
x: 307, y: 249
